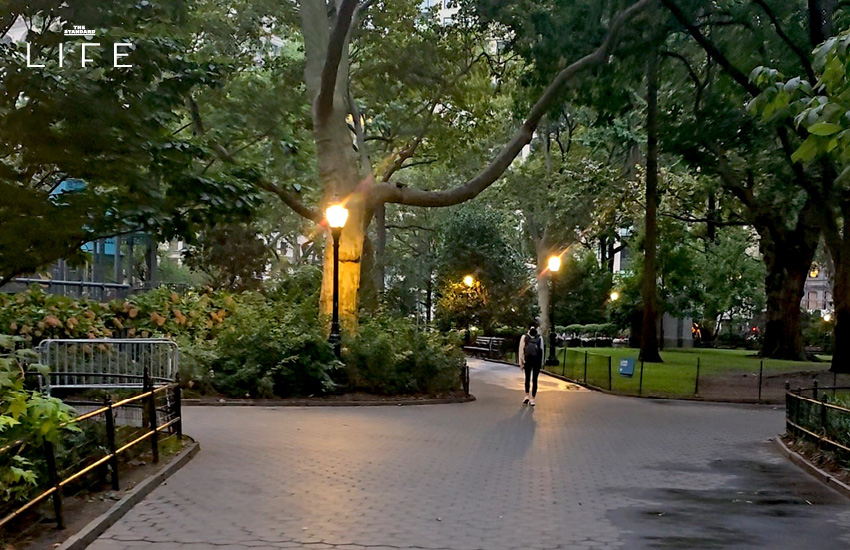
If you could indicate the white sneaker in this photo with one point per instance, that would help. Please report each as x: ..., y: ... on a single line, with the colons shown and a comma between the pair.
x: 531, y: 402
x: 526, y: 400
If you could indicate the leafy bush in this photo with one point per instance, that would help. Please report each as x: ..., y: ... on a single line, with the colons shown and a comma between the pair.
x: 271, y: 348
x: 27, y: 419
x: 269, y: 344
x: 817, y: 332
x: 252, y: 344
x: 391, y: 356
x: 36, y: 315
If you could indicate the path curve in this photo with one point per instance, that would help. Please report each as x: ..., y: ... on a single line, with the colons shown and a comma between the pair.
x: 583, y: 470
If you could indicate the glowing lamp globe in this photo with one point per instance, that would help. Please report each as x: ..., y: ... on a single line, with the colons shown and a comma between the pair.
x: 555, y: 264
x: 615, y: 296
x: 336, y: 216
x: 468, y: 280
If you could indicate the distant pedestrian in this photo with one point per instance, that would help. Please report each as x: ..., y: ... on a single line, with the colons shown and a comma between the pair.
x: 531, y: 360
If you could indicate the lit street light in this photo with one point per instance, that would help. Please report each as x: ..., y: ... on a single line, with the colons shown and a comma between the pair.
x: 554, y: 267
x: 469, y: 280
x: 336, y: 216
x: 615, y: 296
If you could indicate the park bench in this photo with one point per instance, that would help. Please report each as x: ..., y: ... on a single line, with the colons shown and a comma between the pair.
x: 487, y: 346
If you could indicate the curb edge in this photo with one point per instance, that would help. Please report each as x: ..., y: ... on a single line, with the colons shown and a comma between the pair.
x: 821, y: 475
x: 100, y: 524
x: 312, y: 403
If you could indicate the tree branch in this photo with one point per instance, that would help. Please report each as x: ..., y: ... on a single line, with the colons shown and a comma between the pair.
x: 416, y: 197
x: 288, y: 197
x: 292, y: 200
x: 804, y: 57
x: 336, y: 45
x: 711, y: 49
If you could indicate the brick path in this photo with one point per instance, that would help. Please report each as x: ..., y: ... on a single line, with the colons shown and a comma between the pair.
x: 583, y: 470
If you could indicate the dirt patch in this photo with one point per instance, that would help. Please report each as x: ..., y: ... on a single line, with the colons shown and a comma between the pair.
x: 37, y: 530
x: 744, y: 386
x: 832, y: 463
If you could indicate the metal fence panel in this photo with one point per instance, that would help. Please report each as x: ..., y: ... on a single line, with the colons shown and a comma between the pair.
x: 108, y: 363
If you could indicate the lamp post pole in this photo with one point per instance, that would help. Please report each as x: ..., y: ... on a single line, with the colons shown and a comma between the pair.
x: 335, y: 337
x: 553, y: 359
x: 554, y: 267
x: 336, y: 216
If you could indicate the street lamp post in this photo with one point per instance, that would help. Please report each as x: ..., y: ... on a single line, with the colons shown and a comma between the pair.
x: 336, y: 216
x: 554, y: 267
x: 469, y: 281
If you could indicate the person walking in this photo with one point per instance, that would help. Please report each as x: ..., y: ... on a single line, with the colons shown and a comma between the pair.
x: 531, y: 356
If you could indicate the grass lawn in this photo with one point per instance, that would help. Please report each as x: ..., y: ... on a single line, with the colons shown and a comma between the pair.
x: 731, y: 371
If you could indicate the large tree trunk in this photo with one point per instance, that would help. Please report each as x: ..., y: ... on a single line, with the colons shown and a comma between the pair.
x: 649, y: 291
x: 380, y: 267
x: 787, y: 257
x: 838, y: 241
x: 544, y: 294
x: 326, y: 77
x: 784, y: 281
x: 841, y: 300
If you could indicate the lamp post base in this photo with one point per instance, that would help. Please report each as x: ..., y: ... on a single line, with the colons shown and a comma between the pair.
x: 335, y: 340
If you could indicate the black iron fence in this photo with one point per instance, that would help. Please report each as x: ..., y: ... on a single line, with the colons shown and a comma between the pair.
x: 821, y: 414
x: 763, y: 380
x: 102, y: 434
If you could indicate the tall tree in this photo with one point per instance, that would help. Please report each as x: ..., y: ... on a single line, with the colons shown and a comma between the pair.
x: 649, y: 290
x: 752, y: 161
x: 326, y: 33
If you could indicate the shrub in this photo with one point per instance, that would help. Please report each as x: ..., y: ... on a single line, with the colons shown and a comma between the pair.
x: 269, y: 348
x: 26, y: 416
x: 162, y: 312
x: 390, y: 355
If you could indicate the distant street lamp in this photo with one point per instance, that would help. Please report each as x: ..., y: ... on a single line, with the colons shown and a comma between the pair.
x: 615, y: 296
x: 336, y: 216
x: 827, y: 317
x: 469, y: 280
x: 554, y: 267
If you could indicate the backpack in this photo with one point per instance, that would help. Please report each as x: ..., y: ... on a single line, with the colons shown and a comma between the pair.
x: 533, y: 351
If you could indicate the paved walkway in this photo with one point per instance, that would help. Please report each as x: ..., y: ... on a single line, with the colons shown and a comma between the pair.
x: 583, y: 470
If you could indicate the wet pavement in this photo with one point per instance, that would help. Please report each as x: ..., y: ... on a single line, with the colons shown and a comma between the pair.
x: 582, y: 470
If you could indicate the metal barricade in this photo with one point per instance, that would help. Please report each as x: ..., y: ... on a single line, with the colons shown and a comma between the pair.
x: 108, y: 363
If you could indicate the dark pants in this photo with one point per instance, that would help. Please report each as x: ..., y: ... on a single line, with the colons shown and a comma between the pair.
x: 532, y: 368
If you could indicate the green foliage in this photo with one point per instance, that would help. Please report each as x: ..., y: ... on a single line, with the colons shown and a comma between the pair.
x: 390, y: 355
x: 592, y: 329
x: 35, y: 315
x: 233, y: 255
x: 119, y: 130
x: 821, y: 109
x: 475, y: 241
x: 581, y: 290
x: 818, y: 332
x: 27, y: 419
x: 462, y: 306
x: 271, y: 347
